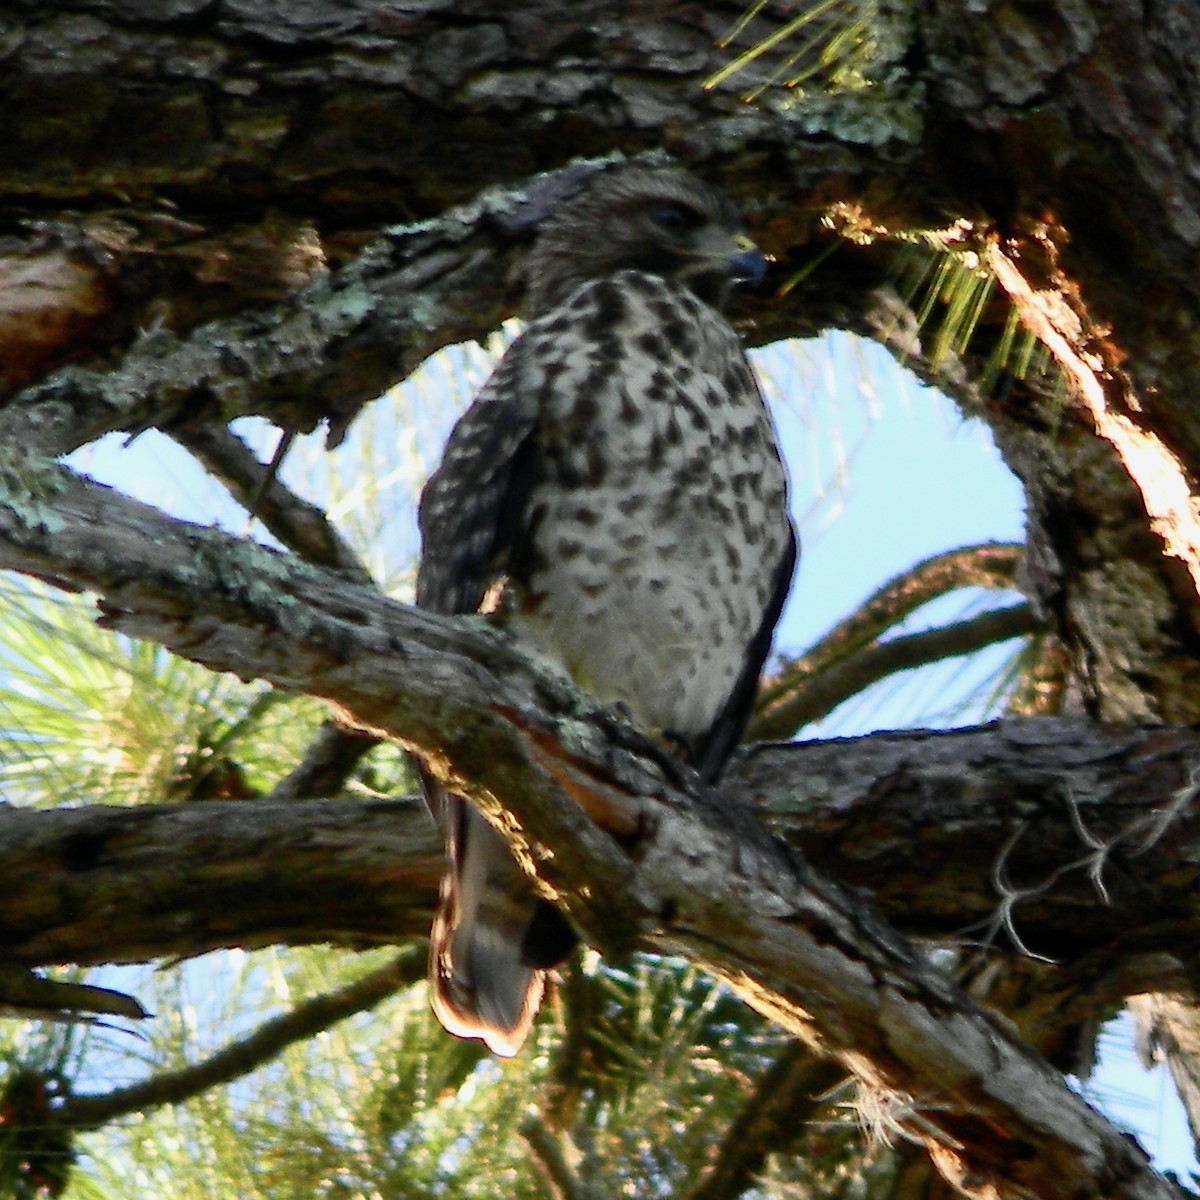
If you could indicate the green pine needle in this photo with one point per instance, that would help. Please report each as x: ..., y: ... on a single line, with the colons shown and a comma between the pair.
x: 835, y: 52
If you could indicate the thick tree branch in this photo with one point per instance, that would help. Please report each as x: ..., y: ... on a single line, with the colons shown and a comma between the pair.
x: 170, y: 870
x: 614, y: 829
x: 325, y: 350
x: 922, y: 820
x: 330, y: 348
x: 339, y: 108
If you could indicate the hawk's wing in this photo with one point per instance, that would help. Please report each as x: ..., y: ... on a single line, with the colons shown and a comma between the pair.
x: 493, y: 936
x: 473, y: 506
x: 726, y: 731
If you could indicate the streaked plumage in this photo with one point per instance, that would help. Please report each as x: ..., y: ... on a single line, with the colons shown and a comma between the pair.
x: 616, y: 484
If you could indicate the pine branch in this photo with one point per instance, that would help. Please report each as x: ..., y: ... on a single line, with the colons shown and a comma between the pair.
x: 920, y: 820
x: 798, y: 693
x: 806, y: 697
x: 169, y: 868
x: 636, y: 850
x: 300, y: 526
x: 24, y: 993
x: 775, y: 1116
x: 83, y: 1111
x: 550, y: 1156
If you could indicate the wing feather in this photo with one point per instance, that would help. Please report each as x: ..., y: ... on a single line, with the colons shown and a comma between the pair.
x: 726, y: 731
x: 473, y: 507
x: 493, y: 936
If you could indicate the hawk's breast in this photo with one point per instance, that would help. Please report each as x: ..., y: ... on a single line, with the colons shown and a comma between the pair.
x: 660, y: 516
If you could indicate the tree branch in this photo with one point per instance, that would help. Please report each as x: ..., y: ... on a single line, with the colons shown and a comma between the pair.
x: 23, y: 993
x: 921, y: 820
x: 307, y: 531
x: 82, y: 1111
x: 328, y: 762
x: 169, y: 869
x: 1104, y: 389
x: 635, y: 849
x: 319, y: 356
x: 787, y: 700
x: 808, y: 697
x: 300, y: 526
x: 785, y: 1099
x: 550, y: 1156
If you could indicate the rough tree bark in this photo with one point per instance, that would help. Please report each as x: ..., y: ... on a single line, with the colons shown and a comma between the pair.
x: 214, y: 209
x: 923, y: 821
x: 636, y: 851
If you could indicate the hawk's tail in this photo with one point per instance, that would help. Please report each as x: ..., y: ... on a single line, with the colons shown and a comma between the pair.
x: 486, y: 975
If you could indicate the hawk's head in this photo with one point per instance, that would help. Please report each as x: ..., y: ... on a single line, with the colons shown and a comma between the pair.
x: 664, y: 222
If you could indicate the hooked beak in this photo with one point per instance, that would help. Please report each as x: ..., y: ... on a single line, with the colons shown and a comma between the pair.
x: 748, y: 264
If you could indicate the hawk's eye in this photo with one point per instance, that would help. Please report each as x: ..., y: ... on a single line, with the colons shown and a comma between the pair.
x: 674, y: 218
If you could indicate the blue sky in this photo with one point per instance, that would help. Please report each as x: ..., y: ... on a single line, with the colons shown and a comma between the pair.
x: 885, y: 473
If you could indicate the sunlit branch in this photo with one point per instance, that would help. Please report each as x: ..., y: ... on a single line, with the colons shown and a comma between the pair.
x: 1101, y: 385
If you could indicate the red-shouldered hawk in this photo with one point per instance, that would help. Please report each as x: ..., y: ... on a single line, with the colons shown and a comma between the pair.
x: 618, y: 486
